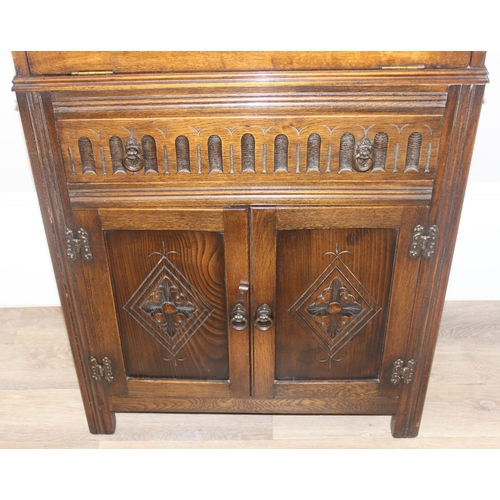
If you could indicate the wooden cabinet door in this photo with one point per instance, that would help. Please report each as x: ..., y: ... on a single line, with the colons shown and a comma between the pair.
x: 163, y: 283
x: 340, y: 286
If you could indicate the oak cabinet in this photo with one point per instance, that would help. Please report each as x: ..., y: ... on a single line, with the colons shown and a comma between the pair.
x: 270, y: 234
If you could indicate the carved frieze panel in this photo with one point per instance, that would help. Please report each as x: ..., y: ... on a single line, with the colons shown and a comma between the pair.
x: 343, y: 147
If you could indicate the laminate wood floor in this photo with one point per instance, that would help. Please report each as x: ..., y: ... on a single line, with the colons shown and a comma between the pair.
x: 40, y: 405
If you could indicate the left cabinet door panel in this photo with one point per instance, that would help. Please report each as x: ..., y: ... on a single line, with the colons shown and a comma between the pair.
x: 157, y: 293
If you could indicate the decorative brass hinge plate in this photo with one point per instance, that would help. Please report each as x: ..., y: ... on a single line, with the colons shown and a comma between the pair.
x: 423, y: 244
x: 80, y: 245
x: 89, y: 73
x: 401, y: 373
x: 103, y: 370
x: 408, y: 66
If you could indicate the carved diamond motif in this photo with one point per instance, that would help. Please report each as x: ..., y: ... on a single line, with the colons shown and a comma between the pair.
x: 335, y: 307
x: 168, y: 306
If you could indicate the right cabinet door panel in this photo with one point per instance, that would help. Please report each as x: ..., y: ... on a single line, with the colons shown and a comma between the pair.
x: 332, y: 294
x: 344, y: 291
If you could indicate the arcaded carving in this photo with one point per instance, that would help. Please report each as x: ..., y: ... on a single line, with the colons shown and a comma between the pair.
x: 116, y: 150
x: 182, y: 154
x: 313, y: 153
x: 346, y: 152
x: 364, y: 155
x: 380, y: 143
x: 413, y: 152
x: 326, y: 150
x: 281, y: 153
x: 215, y: 153
x: 247, y: 153
x: 86, y: 155
x: 149, y: 151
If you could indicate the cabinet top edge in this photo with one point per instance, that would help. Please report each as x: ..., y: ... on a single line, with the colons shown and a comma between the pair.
x: 39, y: 63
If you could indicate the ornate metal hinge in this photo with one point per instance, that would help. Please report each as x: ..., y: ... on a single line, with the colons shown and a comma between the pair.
x: 423, y: 244
x: 407, y: 66
x: 89, y: 73
x: 401, y: 373
x: 103, y: 370
x: 80, y: 245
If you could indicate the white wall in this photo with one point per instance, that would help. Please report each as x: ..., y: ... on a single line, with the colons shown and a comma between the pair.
x: 26, y: 277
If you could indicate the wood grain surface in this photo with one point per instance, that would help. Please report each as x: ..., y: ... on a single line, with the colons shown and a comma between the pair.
x: 54, y: 63
x: 365, y: 273
x: 195, y: 274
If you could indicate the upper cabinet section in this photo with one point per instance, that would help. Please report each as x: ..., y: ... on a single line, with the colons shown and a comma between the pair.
x: 65, y: 63
x: 256, y: 123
